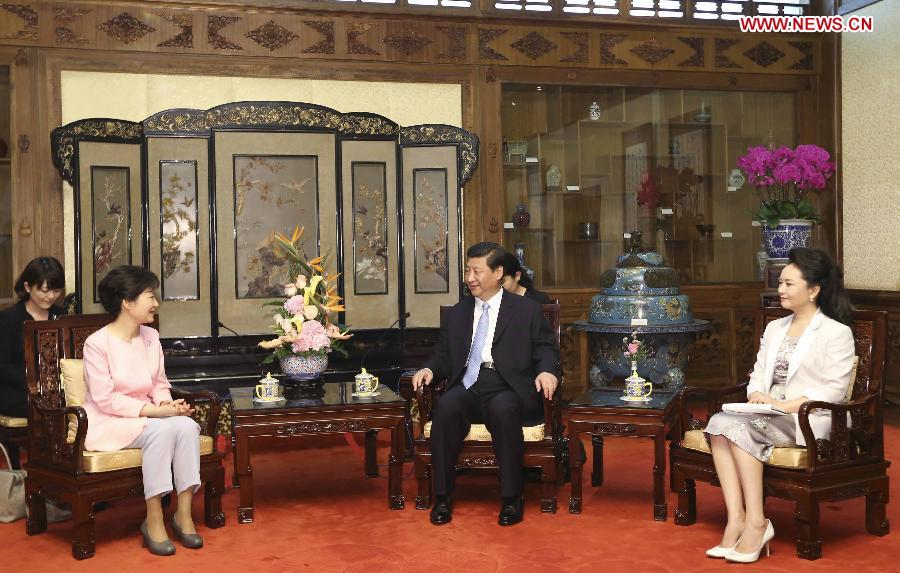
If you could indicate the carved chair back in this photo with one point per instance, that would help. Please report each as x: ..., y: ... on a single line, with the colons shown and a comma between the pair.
x: 866, y: 437
x: 46, y: 342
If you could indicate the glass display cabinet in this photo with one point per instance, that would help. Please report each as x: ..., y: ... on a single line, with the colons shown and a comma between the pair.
x: 585, y: 165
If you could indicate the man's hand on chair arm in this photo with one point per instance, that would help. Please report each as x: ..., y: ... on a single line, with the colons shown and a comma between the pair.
x: 546, y: 384
x: 422, y: 378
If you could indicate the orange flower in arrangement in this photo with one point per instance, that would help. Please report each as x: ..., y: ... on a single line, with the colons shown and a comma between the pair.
x: 305, y: 322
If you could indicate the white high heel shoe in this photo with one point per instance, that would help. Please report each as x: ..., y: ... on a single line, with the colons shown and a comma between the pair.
x: 738, y: 557
x: 720, y: 552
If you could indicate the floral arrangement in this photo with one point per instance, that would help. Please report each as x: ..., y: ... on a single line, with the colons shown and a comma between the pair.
x: 304, y: 322
x: 783, y: 177
x: 635, y: 349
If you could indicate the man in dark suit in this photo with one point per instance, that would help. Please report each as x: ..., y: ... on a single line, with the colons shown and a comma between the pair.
x: 499, y: 356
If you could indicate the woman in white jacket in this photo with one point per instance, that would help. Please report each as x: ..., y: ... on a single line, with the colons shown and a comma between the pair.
x: 805, y: 356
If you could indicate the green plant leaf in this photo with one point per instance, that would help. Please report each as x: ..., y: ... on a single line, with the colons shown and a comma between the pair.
x: 805, y: 209
x: 787, y: 210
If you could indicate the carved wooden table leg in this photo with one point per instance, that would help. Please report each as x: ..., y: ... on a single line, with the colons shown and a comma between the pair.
x: 659, y: 475
x: 245, y: 474
x: 371, y: 447
x: 235, y: 482
x: 395, y: 465
x: 597, y: 469
x: 576, y: 465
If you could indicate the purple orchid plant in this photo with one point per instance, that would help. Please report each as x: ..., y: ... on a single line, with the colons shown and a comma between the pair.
x: 784, y: 177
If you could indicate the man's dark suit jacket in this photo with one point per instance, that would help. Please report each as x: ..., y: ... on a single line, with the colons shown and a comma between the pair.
x: 523, y: 344
x: 13, y: 394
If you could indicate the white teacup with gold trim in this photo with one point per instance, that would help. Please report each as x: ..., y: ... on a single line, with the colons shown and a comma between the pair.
x: 637, y: 389
x: 365, y: 384
x: 267, y: 389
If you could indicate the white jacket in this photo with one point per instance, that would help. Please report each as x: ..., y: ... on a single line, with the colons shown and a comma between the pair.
x: 819, y: 369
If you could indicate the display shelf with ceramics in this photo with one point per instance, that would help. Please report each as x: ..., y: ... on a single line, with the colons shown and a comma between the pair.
x: 589, y: 168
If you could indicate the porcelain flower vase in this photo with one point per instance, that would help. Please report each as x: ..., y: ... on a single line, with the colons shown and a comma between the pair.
x: 304, y: 376
x: 789, y: 234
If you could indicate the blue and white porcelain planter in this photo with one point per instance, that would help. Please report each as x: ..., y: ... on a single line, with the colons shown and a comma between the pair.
x: 304, y: 367
x: 789, y: 234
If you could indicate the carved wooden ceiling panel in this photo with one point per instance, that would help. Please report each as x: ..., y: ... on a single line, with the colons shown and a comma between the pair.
x: 172, y: 29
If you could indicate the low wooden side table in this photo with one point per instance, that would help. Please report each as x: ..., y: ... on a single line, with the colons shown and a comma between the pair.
x: 336, y: 412
x: 602, y: 413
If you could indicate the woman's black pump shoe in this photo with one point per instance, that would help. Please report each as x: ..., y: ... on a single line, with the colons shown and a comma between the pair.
x: 162, y: 548
x: 189, y: 540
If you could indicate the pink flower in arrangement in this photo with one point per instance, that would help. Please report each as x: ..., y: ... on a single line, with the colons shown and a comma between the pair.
x: 312, y: 337
x: 294, y: 305
x: 633, y: 347
x: 807, y: 167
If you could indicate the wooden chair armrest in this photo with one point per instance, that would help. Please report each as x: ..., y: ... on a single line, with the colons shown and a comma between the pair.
x: 425, y: 401
x: 837, y: 449
x: 47, y: 436
x: 553, y: 414
x: 210, y: 426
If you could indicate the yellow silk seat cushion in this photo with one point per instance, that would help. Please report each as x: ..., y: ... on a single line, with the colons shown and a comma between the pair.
x: 10, y: 422
x: 792, y: 458
x: 781, y: 457
x: 479, y: 433
x: 96, y: 462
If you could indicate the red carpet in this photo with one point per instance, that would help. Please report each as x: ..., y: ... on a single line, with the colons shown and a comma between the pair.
x: 315, y: 511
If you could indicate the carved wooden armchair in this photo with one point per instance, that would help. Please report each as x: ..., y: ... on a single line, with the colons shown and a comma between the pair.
x: 850, y: 464
x: 544, y: 443
x: 59, y: 467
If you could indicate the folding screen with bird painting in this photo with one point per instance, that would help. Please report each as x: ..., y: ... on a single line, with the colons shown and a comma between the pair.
x: 272, y: 192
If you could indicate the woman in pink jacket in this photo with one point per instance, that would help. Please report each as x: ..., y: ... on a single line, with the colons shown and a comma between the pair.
x: 129, y: 405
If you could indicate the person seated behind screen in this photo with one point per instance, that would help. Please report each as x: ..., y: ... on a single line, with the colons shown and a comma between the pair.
x: 499, y: 356
x: 129, y: 405
x: 38, y: 288
x: 517, y: 282
x: 805, y: 356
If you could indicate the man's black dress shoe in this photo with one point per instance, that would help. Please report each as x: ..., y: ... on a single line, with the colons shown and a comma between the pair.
x: 512, y: 509
x: 442, y: 512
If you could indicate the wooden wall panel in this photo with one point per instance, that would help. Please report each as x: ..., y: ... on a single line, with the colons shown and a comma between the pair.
x: 42, y: 38
x: 890, y: 302
x: 281, y: 33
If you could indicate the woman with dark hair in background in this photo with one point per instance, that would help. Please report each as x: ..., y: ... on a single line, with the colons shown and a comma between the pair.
x: 38, y: 288
x: 129, y: 405
x: 517, y: 282
x: 805, y: 356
